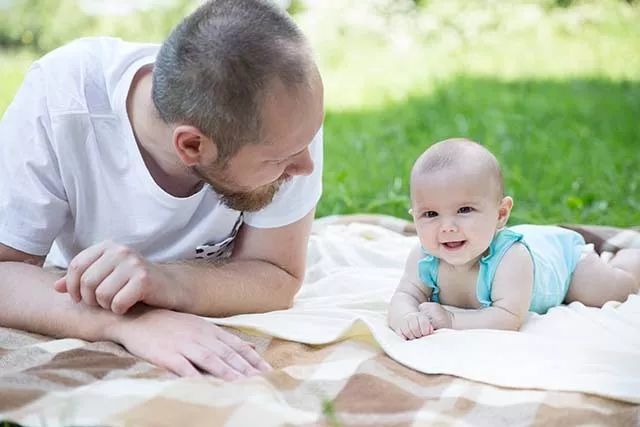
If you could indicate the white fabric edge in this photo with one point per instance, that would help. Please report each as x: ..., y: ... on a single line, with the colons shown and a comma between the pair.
x: 291, y: 218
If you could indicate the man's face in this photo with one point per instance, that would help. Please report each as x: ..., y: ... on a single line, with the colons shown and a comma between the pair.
x: 252, y: 176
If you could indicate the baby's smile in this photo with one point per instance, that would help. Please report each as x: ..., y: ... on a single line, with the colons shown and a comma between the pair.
x: 454, y: 245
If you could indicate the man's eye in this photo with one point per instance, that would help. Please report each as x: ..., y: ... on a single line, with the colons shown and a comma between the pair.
x: 465, y: 209
x: 431, y: 214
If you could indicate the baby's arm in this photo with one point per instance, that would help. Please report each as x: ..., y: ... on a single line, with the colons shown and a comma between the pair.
x: 404, y: 317
x: 510, y: 293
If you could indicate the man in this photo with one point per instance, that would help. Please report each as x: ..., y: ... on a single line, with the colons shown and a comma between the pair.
x: 140, y: 170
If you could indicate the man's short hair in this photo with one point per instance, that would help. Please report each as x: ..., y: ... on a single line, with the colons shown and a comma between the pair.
x: 214, y: 68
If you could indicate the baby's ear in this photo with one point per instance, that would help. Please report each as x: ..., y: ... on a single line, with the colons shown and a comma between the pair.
x: 506, y: 204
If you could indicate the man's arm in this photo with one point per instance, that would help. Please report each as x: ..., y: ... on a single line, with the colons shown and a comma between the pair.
x: 264, y: 274
x: 182, y: 343
x: 25, y: 286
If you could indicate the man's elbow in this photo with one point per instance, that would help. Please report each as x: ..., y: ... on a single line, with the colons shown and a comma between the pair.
x: 9, y: 256
x: 287, y: 292
x: 292, y: 291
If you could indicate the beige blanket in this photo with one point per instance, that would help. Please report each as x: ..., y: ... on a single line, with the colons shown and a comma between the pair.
x: 342, y: 376
x: 353, y: 273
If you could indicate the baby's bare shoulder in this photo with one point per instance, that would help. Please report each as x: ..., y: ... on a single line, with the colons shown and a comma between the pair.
x: 517, y: 253
x: 516, y: 261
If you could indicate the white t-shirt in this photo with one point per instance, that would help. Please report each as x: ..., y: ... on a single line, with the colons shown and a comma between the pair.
x: 71, y: 173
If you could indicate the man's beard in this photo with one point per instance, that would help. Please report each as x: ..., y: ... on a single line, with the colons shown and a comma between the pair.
x: 244, y: 201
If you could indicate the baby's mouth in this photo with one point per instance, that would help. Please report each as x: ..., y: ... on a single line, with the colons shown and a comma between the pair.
x: 454, y: 245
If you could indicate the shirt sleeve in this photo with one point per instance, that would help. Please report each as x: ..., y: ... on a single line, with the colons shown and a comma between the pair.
x: 33, y: 205
x: 296, y: 198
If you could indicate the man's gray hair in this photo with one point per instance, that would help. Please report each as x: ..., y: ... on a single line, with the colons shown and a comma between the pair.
x: 214, y: 68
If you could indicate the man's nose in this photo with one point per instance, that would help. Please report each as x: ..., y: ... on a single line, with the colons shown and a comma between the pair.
x: 302, y: 164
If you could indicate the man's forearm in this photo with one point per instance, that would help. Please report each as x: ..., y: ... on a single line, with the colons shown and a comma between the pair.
x: 29, y: 302
x: 234, y: 287
x: 182, y: 343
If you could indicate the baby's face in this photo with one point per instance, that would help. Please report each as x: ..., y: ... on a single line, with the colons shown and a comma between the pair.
x: 456, y: 214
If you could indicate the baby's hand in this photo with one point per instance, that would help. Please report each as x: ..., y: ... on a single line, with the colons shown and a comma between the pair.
x: 437, y: 315
x: 414, y: 325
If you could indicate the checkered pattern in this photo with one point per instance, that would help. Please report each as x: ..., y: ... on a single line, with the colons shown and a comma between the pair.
x: 349, y: 383
x: 67, y: 382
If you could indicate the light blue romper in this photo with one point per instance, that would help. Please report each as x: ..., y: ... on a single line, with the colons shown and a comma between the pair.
x: 555, y: 252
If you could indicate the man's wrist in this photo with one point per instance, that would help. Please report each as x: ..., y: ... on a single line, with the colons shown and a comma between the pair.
x: 112, y: 329
x: 117, y: 324
x: 166, y: 290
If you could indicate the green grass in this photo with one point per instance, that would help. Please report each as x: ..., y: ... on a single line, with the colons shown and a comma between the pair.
x: 574, y: 159
x: 13, y: 65
x: 553, y: 92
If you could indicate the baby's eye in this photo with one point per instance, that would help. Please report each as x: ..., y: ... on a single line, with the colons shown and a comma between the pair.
x: 431, y: 214
x: 465, y: 209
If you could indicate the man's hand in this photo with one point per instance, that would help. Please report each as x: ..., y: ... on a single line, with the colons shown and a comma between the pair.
x: 437, y: 315
x: 413, y: 325
x: 115, y: 278
x: 185, y: 344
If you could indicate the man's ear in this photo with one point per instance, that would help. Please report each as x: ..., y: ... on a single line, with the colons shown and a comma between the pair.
x: 193, y: 147
x: 506, y: 204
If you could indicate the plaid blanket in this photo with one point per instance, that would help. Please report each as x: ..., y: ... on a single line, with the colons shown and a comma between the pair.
x: 350, y: 382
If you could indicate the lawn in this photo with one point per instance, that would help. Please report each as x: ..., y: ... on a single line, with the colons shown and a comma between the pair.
x: 553, y: 91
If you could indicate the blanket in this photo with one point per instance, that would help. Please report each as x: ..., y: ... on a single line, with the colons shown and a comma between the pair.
x: 336, y: 363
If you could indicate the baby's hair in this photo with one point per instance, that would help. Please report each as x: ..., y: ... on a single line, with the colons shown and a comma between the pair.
x: 459, y: 153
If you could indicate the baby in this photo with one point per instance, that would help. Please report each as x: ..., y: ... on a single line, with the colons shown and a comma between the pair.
x: 493, y: 275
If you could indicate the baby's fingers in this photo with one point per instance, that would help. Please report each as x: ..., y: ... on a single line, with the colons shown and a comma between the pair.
x: 425, y: 326
x: 406, y: 331
x: 415, y: 326
x: 421, y: 326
